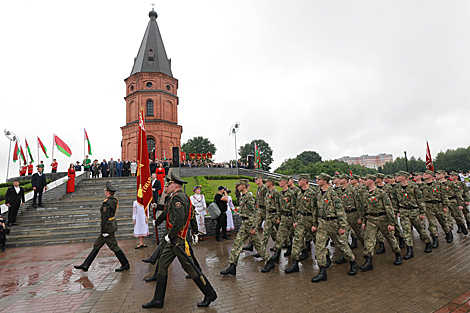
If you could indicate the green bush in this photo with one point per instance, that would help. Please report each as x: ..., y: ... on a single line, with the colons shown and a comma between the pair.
x: 25, y: 184
x: 226, y: 177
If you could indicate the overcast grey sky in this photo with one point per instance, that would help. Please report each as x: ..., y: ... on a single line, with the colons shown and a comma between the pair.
x: 338, y: 77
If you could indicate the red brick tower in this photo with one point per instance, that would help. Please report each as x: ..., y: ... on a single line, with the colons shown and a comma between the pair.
x: 152, y: 86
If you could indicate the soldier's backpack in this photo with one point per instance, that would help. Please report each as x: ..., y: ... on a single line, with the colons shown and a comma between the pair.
x: 213, y: 210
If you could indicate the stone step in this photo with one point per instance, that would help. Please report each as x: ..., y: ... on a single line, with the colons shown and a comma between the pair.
x: 70, y: 230
x: 56, y: 222
x: 63, y: 240
x: 71, y: 216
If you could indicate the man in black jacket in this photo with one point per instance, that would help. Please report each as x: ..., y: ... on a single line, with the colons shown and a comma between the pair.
x: 39, y: 185
x: 126, y: 167
x: 13, y: 199
x: 4, y: 231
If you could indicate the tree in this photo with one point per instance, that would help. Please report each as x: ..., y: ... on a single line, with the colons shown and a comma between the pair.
x: 414, y: 165
x: 309, y: 157
x: 199, y: 145
x: 265, y: 152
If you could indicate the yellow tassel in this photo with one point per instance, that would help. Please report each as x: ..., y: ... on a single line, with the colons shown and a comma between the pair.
x: 186, y: 248
x: 203, y: 280
x: 140, y: 193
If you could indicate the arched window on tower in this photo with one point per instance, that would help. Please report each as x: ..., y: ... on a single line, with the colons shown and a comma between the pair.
x: 149, y: 108
x: 151, y: 148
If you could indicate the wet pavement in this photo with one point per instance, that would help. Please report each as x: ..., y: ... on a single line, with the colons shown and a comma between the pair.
x: 42, y: 279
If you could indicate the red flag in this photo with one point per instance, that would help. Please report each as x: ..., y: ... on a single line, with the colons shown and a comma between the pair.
x: 209, y: 155
x: 144, y: 183
x: 15, y: 152
x: 198, y: 156
x: 183, y: 156
x: 204, y: 156
x: 192, y: 156
x: 62, y: 146
x: 350, y: 172
x: 429, y: 164
x: 43, y: 147
x: 88, y: 142
x: 22, y: 154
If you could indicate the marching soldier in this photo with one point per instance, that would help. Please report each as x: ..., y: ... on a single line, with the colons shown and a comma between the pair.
x: 178, y: 216
x: 409, y: 199
x: 330, y: 221
x: 436, y: 206
x: 260, y: 203
x: 272, y: 213
x: 465, y: 195
x: 378, y: 216
x: 108, y: 212
x: 248, y: 229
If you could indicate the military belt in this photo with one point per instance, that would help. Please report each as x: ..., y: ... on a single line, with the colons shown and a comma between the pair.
x: 452, y: 198
x: 287, y: 214
x: 306, y: 214
x: 351, y: 211
x: 111, y: 218
x: 377, y: 215
x: 272, y: 211
x: 329, y: 218
x: 433, y: 201
x: 409, y: 207
x: 244, y: 218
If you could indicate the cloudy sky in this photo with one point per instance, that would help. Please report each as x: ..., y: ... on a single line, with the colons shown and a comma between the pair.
x: 338, y: 77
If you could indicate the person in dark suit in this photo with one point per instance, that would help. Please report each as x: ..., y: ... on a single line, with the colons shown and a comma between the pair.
x: 13, y: 199
x: 156, y: 187
x: 126, y: 168
x: 39, y: 186
x: 104, y: 168
x: 112, y: 168
x: 119, y: 166
x: 4, y: 231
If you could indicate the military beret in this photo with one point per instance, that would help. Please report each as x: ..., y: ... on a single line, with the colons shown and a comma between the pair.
x: 324, y: 176
x: 284, y: 177
x: 441, y: 172
x: 174, y: 178
x: 271, y: 179
x: 403, y: 173
x: 343, y: 176
x: 259, y: 176
x: 245, y: 182
x: 354, y: 176
x: 110, y: 187
x: 370, y: 176
x: 429, y: 172
x: 304, y: 176
x: 380, y: 175
x: 454, y: 173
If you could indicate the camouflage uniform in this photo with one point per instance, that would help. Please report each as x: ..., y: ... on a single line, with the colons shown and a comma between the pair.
x: 466, y: 197
x: 288, y: 200
x: 249, y: 216
x: 272, y: 215
x: 436, y: 200
x: 306, y: 205
x: 329, y: 218
x: 455, y: 200
x: 409, y: 200
x: 377, y: 216
x: 260, y: 203
x: 349, y: 202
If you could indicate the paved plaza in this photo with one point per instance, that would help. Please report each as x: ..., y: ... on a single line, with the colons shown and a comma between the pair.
x: 42, y: 279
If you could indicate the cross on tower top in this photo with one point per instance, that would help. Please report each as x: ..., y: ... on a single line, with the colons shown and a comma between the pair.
x: 153, y: 6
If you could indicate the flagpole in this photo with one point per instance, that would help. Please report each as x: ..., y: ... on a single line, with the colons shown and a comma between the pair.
x: 8, y: 167
x: 37, y: 147
x: 53, y: 144
x: 84, y: 145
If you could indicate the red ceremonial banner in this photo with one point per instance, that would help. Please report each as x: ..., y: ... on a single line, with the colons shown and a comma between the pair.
x: 198, y: 156
x: 183, y: 156
x: 144, y: 183
x: 209, y: 155
x: 204, y: 156
x: 192, y: 156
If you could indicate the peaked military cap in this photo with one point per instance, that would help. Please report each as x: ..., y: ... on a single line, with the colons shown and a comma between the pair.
x: 110, y: 187
x: 403, y: 173
x: 454, y: 173
x: 370, y: 176
x: 429, y: 172
x: 245, y: 182
x: 304, y: 176
x: 259, y: 176
x: 354, y: 176
x: 419, y: 174
x: 284, y: 177
x: 324, y: 176
x: 271, y: 179
x: 174, y: 178
x: 343, y: 176
x: 441, y: 172
x: 380, y: 175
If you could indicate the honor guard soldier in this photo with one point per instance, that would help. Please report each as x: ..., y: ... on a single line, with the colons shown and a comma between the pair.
x: 23, y: 170
x: 108, y: 212
x: 30, y: 168
x: 178, y: 216
x: 54, y: 165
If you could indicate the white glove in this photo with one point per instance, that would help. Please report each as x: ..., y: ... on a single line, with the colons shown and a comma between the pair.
x: 153, y: 222
x: 196, y: 212
x: 105, y: 235
x: 167, y: 239
x: 195, y: 239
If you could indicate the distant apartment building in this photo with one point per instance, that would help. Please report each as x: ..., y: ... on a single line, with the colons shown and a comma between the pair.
x: 369, y: 161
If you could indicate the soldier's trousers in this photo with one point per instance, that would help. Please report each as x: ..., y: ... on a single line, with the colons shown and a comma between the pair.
x: 436, y: 211
x: 244, y: 234
x: 411, y: 217
x: 456, y: 212
x: 261, y: 215
x: 330, y: 229
x: 286, y: 231
x: 169, y: 253
x: 110, y: 241
x: 270, y: 229
x: 466, y: 214
x: 304, y: 227
x: 374, y: 225
x: 352, y: 220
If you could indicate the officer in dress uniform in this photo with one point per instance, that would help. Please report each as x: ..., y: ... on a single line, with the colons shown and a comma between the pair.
x: 108, y: 211
x: 178, y: 215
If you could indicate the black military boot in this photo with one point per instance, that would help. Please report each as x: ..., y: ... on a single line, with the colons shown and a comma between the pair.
x: 459, y: 229
x: 308, y: 246
x: 435, y: 242
x: 124, y: 262
x: 271, y: 249
x: 154, y: 277
x: 207, y: 290
x: 304, y: 255
x: 159, y: 297
x: 231, y: 270
x: 289, y: 251
x: 381, y: 248
x: 398, y: 259
x: 269, y: 266
x: 353, y: 244
x: 249, y: 247
x: 275, y: 256
x: 328, y: 261
x: 464, y: 229
x: 428, y: 248
x: 340, y: 260
x: 367, y: 266
x: 354, y: 267
x: 321, y: 276
x: 449, y: 237
x: 89, y: 259
x: 154, y: 257
x: 409, y: 253
x: 401, y: 242
x: 256, y: 255
x: 294, y: 268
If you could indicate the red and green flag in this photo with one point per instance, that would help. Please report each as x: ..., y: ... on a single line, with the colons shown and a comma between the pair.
x: 88, y: 142
x: 22, y: 154
x: 62, y: 146
x: 257, y: 157
x: 42, y: 147
x: 16, y: 152
x: 29, y: 150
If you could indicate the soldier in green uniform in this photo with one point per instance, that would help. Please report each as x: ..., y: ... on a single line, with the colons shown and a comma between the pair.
x: 178, y: 215
x: 272, y: 212
x: 378, y: 216
x: 303, y: 221
x: 409, y: 199
x: 330, y: 221
x: 465, y: 195
x: 353, y: 181
x: 436, y: 206
x: 248, y: 229
x: 260, y: 203
x: 108, y: 223
x: 286, y: 223
x: 456, y: 202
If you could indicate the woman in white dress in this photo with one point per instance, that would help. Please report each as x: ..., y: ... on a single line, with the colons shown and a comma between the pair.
x: 199, y: 202
x: 230, y: 206
x: 133, y: 168
x: 140, y: 221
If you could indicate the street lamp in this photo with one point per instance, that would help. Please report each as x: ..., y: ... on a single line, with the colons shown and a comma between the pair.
x: 12, y: 137
x: 233, y: 132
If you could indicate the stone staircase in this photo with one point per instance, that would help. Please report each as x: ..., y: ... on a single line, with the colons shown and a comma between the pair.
x: 76, y: 216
